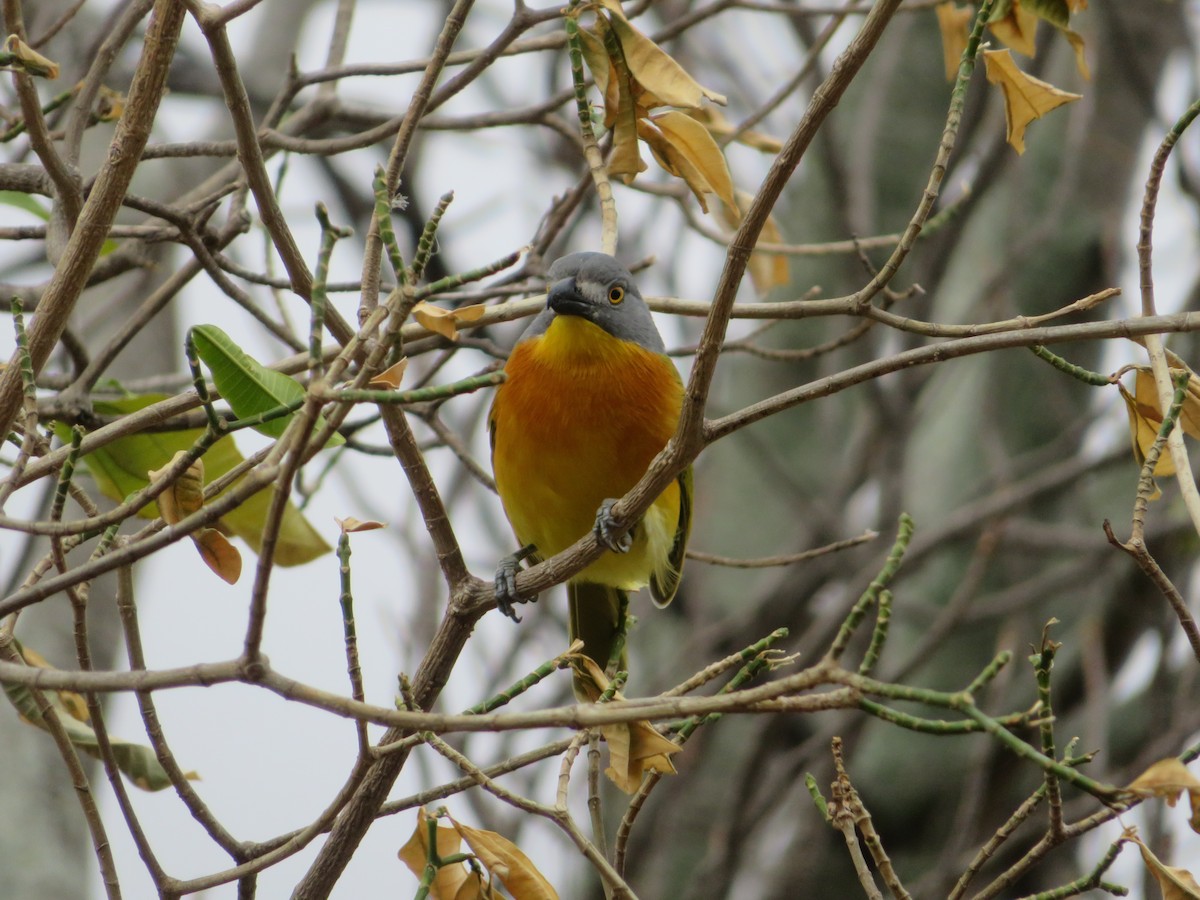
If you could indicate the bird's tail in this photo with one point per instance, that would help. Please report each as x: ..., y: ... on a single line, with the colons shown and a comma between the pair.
x: 597, y: 617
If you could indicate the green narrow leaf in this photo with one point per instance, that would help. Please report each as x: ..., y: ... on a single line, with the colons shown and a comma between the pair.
x: 122, y: 467
x: 298, y: 541
x: 1053, y: 11
x: 26, y: 202
x: 249, y: 387
x: 136, y: 761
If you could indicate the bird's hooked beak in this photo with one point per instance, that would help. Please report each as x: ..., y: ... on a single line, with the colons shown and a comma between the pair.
x: 565, y: 300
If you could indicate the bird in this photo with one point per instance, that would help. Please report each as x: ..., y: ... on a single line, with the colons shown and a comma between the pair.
x: 589, y: 399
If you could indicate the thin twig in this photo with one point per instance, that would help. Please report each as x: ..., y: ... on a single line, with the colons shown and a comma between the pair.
x: 1154, y: 346
x: 86, y: 240
x: 49, y: 718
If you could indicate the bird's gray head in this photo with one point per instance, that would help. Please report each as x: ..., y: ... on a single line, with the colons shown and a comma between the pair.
x: 595, y: 287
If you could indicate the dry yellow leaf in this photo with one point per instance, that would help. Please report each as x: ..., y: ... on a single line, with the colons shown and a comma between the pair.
x: 185, y: 495
x: 218, y: 554
x: 350, y: 525
x: 76, y: 706
x: 691, y: 142
x: 1017, y: 29
x: 767, y: 270
x: 1145, y: 416
x: 635, y: 75
x: 1146, y: 392
x: 505, y: 861
x: 1025, y: 98
x: 622, y: 109
x: 604, y: 68
x: 110, y: 104
x: 446, y: 321
x: 1142, y: 432
x: 415, y: 855
x: 595, y: 57
x: 1076, y: 41
x: 955, y: 25
x: 714, y: 120
x: 1166, y: 779
x: 1175, y: 883
x: 475, y: 888
x: 72, y: 703
x: 465, y: 315
x: 673, y: 161
x: 654, y: 69
x: 1015, y: 23
x: 634, y: 748
x: 436, y: 319
x: 625, y: 160
x: 390, y: 377
x: 29, y: 60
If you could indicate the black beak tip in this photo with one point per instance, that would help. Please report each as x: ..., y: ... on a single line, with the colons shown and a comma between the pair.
x: 564, y: 299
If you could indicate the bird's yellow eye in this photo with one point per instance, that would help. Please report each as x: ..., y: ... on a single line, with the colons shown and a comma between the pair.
x: 616, y: 294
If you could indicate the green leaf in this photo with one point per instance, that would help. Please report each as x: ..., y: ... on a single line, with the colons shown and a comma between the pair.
x: 298, y: 541
x: 137, y: 761
x: 1055, y: 12
x: 249, y: 387
x: 26, y: 202
x: 122, y: 467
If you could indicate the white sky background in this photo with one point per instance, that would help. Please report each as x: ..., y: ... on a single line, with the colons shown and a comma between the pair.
x: 269, y: 766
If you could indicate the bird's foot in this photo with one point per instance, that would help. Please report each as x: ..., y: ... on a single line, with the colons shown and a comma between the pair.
x: 607, y: 533
x: 506, y: 582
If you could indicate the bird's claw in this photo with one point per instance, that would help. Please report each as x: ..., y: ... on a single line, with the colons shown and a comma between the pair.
x: 506, y: 587
x: 607, y: 533
x: 506, y: 582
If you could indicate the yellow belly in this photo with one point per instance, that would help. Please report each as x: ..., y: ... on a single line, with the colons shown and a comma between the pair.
x: 578, y: 421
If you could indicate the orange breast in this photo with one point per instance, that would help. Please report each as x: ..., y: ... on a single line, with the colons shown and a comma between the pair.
x: 578, y: 421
